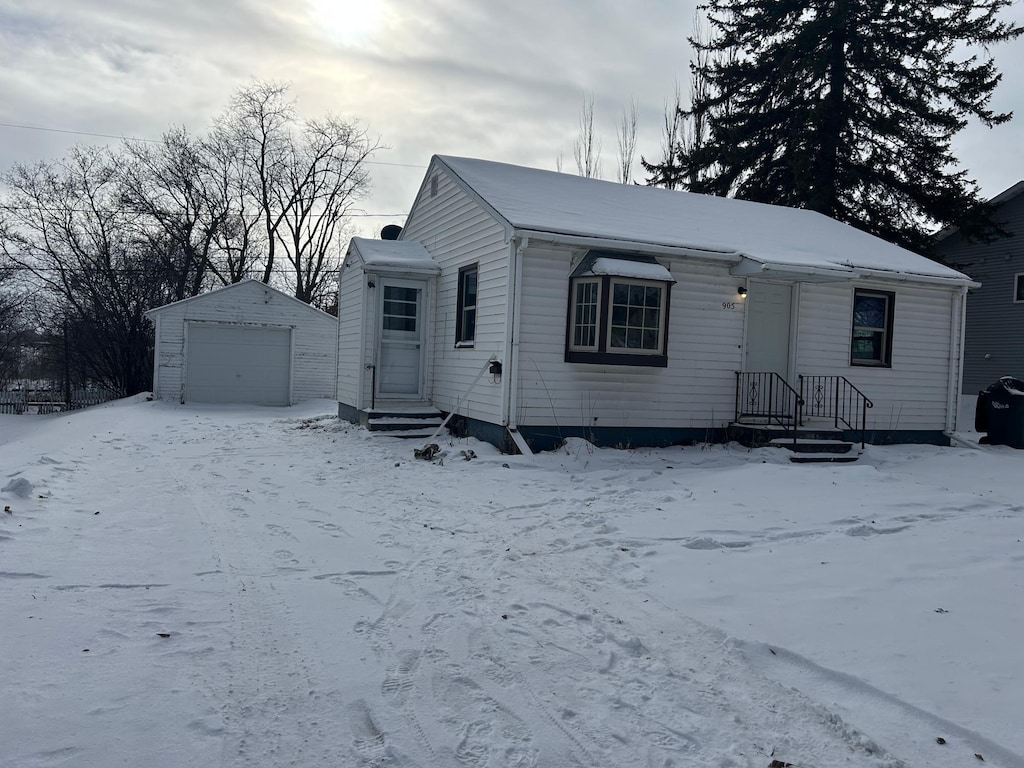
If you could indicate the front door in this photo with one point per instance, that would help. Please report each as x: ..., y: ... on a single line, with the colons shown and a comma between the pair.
x: 769, y: 313
x: 401, y: 339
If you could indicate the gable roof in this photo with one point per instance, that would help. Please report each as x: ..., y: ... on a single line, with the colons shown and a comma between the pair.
x: 393, y: 255
x: 1008, y: 194
x: 247, y: 283
x: 758, y: 237
x: 1003, y: 197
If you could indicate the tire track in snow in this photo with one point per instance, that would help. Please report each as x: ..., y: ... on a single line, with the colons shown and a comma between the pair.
x: 272, y: 707
x: 609, y: 660
x: 881, y: 713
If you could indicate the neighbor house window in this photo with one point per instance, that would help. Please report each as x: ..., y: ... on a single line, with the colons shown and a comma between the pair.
x: 465, y: 318
x: 1018, y: 287
x: 872, y: 328
x: 618, y: 320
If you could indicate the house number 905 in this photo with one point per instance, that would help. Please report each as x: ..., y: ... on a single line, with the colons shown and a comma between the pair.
x: 728, y: 305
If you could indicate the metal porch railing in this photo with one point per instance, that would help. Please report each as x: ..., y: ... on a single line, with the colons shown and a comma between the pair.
x: 766, y: 395
x: 836, y: 398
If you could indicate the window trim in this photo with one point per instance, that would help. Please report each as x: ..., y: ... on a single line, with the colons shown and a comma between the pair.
x: 461, y: 341
x: 574, y: 304
x: 603, y: 353
x: 887, y: 329
x: 1018, y: 285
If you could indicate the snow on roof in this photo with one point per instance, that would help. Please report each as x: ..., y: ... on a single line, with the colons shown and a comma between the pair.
x: 241, y: 284
x: 564, y: 204
x: 407, y: 255
x: 629, y: 268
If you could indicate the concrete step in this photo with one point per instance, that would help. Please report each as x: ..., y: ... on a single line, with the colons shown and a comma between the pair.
x: 417, y: 434
x: 807, y: 446
x: 755, y: 435
x: 421, y: 421
x: 823, y: 458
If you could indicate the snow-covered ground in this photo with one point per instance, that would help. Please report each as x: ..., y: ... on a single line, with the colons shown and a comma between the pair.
x: 188, y: 586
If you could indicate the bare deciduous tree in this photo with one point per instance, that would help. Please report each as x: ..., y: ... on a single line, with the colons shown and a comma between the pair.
x: 625, y: 137
x: 64, y: 224
x: 326, y: 176
x: 109, y: 233
x: 685, y: 130
x: 175, y: 187
x: 12, y: 318
x: 587, y: 147
x: 303, y: 179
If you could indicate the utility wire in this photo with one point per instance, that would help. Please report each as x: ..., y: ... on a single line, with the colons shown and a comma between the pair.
x: 156, y: 141
x: 78, y: 270
x: 143, y: 212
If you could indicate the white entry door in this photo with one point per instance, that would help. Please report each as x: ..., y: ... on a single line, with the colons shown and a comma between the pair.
x: 769, y: 313
x: 402, y: 336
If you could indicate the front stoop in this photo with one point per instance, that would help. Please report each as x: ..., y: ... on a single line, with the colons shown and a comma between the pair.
x: 813, y: 445
x: 416, y: 422
x: 809, y: 451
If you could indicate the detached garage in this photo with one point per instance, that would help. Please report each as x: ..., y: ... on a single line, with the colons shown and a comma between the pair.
x: 245, y: 343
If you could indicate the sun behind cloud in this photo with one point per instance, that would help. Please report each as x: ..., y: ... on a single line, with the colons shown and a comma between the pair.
x: 348, y: 22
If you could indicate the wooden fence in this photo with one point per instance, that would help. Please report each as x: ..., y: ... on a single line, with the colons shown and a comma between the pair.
x: 48, y: 401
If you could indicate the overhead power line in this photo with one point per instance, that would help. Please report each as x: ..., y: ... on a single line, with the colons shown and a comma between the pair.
x: 155, y: 141
x: 285, y: 268
x: 142, y: 212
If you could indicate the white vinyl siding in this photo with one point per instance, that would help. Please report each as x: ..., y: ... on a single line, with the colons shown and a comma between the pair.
x: 695, y: 390
x: 458, y: 232
x: 350, y: 314
x: 250, y: 303
x: 912, y: 393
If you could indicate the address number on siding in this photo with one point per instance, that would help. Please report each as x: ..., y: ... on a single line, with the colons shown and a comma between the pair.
x: 730, y: 304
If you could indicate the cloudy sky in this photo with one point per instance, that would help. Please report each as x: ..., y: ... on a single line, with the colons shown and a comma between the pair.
x: 490, y: 79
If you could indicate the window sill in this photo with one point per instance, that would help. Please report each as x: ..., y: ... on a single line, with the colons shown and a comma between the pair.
x: 869, y: 364
x: 611, y: 358
x: 465, y: 344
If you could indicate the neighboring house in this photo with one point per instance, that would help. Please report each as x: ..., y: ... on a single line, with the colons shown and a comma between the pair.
x: 536, y: 305
x: 244, y: 343
x: 994, y: 342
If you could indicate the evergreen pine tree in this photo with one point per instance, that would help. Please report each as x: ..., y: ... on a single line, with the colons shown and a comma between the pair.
x: 848, y: 107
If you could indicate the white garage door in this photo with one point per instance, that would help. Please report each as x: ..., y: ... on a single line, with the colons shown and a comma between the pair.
x: 237, y: 364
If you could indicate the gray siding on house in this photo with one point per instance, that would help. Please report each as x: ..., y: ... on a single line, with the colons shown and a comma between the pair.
x: 314, y: 338
x: 457, y: 231
x: 994, y: 339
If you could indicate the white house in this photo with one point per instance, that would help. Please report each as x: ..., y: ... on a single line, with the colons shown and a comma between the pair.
x: 244, y: 343
x: 535, y: 305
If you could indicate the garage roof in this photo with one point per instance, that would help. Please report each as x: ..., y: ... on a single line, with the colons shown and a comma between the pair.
x: 235, y: 286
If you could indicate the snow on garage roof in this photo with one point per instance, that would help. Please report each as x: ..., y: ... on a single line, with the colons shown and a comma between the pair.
x: 242, y: 285
x: 770, y: 235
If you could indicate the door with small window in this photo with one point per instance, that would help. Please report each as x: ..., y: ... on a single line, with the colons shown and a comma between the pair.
x: 401, y: 339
